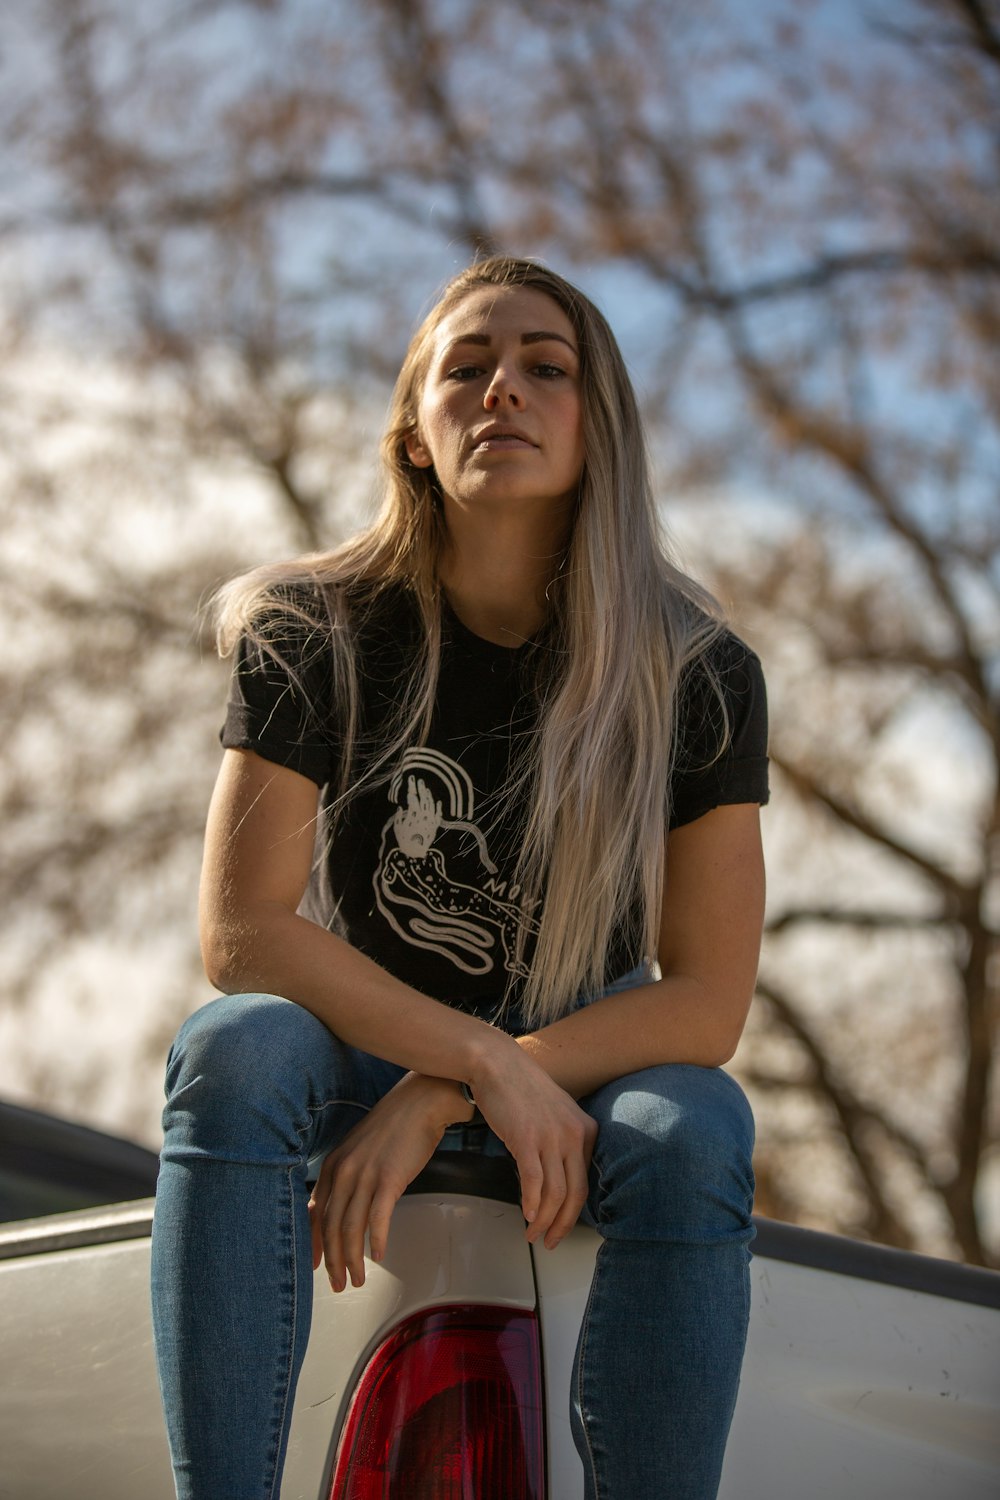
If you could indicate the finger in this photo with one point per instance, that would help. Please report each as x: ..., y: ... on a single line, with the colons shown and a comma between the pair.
x: 353, y: 1226
x: 354, y: 1246
x: 577, y: 1187
x: 333, y: 1239
x: 383, y: 1203
x: 316, y: 1232
x: 532, y: 1179
x: 552, y: 1198
x: 589, y: 1142
x: 333, y: 1255
x: 318, y: 1202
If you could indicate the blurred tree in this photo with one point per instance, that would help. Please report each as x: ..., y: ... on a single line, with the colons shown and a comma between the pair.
x: 791, y: 212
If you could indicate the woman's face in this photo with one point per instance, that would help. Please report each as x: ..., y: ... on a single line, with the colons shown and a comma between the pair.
x: 500, y: 413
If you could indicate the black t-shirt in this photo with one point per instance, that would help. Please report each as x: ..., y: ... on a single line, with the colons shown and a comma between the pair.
x: 418, y: 869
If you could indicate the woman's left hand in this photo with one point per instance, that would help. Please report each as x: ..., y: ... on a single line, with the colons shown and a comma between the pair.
x: 362, y: 1180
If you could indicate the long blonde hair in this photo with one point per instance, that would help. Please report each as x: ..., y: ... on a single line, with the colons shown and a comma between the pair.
x: 625, y: 621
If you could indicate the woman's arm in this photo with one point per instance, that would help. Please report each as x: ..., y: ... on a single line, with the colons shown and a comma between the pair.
x: 713, y: 912
x: 709, y: 943
x: 258, y: 856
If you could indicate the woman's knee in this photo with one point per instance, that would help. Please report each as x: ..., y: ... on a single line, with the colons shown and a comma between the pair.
x: 243, y: 1062
x: 673, y: 1156
x: 233, y: 1037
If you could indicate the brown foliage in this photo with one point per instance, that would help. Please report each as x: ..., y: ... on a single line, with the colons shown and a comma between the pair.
x: 794, y: 218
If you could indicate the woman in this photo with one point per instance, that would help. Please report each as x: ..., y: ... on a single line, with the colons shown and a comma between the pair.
x: 537, y: 758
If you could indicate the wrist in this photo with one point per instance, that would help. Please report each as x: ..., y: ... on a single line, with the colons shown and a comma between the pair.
x: 445, y: 1102
x: 463, y: 1105
x: 490, y: 1063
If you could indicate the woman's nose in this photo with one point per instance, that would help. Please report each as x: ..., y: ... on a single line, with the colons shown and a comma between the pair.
x: 503, y: 390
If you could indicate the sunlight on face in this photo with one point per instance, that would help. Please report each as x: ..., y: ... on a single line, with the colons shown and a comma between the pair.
x: 500, y: 415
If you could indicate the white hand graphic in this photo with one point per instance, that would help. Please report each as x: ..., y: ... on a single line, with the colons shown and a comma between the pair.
x: 417, y: 826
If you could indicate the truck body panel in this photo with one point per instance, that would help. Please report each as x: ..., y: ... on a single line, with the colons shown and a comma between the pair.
x: 853, y: 1386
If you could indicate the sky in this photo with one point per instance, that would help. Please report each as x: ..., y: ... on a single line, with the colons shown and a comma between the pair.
x: 93, y: 1001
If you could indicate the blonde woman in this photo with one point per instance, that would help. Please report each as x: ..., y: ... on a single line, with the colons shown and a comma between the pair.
x: 487, y: 823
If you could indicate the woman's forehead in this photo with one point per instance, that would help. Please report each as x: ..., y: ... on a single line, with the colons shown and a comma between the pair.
x: 497, y: 310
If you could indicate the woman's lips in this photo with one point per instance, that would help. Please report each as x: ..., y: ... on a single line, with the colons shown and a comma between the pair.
x: 500, y: 436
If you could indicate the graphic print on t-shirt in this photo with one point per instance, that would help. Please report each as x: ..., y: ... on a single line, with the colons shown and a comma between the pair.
x: 423, y: 855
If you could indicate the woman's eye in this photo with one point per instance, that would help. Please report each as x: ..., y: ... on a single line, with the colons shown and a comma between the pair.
x: 549, y: 371
x: 464, y: 372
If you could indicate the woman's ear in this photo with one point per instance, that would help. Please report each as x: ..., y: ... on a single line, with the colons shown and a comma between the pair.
x: 416, y: 452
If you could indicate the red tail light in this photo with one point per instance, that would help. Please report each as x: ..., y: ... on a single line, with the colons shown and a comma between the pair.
x: 448, y: 1408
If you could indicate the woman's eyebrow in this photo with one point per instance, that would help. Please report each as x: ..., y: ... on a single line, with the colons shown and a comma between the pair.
x: 543, y: 336
x: 538, y: 336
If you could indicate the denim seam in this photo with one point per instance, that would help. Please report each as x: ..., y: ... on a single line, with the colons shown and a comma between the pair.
x: 299, y: 1161
x: 601, y: 1191
x: 293, y: 1332
x: 313, y: 1110
x: 584, y: 1428
x: 600, y: 1196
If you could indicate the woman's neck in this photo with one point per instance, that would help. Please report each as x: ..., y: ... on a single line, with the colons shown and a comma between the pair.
x: 495, y: 577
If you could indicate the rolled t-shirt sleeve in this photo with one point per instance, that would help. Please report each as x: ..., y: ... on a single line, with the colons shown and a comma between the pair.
x: 279, y: 706
x: 711, y: 770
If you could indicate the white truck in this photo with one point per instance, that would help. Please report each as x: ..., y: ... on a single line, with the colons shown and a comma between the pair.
x: 871, y: 1374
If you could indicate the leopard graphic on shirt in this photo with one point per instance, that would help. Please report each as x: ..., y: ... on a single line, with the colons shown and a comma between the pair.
x: 425, y: 903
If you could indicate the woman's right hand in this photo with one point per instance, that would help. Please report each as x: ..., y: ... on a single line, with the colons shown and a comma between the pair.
x: 549, y: 1136
x: 362, y: 1179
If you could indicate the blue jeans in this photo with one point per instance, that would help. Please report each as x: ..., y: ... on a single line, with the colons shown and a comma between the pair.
x: 256, y: 1086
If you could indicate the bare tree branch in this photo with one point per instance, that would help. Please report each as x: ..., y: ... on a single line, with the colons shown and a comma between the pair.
x: 852, y: 1118
x: 871, y: 920
x: 954, y: 894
